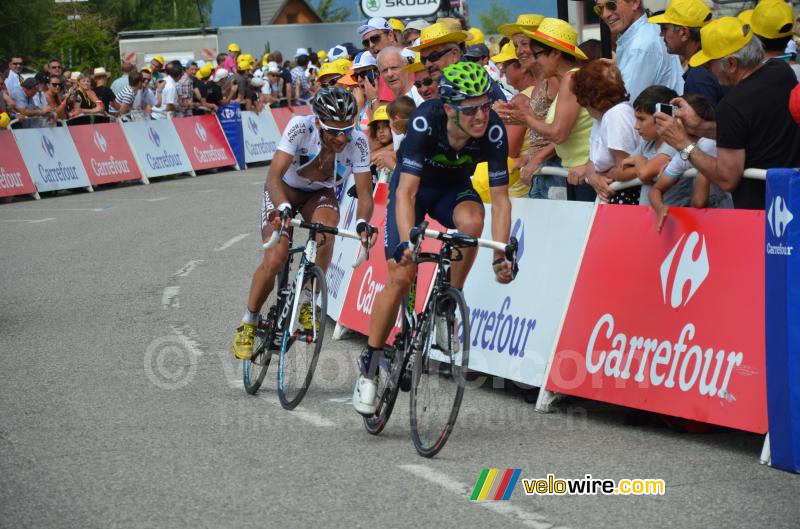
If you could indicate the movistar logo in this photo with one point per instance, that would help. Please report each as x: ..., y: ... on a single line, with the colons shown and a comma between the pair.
x: 459, y: 161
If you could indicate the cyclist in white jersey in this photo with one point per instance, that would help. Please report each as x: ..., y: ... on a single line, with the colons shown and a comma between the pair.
x: 315, y: 154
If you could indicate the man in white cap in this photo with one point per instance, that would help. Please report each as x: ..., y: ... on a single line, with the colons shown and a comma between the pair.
x: 411, y: 33
x: 376, y: 34
x: 300, y: 82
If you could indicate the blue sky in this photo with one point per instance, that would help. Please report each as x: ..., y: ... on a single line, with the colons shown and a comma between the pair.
x: 226, y: 12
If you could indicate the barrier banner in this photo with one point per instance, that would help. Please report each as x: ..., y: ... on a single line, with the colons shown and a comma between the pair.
x: 261, y: 136
x: 669, y: 322
x: 230, y: 119
x: 283, y: 115
x: 105, y: 153
x: 204, y: 141
x: 783, y: 316
x: 369, y: 279
x: 345, y: 251
x: 514, y: 327
x: 51, y: 158
x: 14, y: 176
x: 157, y: 147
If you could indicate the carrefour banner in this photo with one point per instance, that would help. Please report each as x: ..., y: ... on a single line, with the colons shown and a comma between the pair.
x: 51, y: 158
x: 782, y: 253
x: 669, y: 322
x: 14, y: 176
x: 204, y: 141
x: 230, y: 119
x: 344, y: 255
x: 157, y: 147
x: 105, y: 153
x: 261, y: 136
x: 514, y: 327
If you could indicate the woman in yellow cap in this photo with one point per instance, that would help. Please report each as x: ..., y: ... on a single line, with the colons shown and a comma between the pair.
x: 555, y: 49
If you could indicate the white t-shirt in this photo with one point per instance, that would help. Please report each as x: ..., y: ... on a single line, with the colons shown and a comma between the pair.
x: 414, y: 94
x: 169, y: 96
x: 615, y: 131
x: 301, y: 141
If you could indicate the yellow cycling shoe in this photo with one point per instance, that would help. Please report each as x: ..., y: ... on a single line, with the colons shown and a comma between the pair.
x: 243, y: 342
x: 305, y: 317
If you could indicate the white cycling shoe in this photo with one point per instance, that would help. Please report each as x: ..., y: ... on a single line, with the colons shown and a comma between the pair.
x: 365, y: 399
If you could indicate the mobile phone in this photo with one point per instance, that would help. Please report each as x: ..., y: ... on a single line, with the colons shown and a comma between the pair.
x: 371, y: 75
x: 666, y: 108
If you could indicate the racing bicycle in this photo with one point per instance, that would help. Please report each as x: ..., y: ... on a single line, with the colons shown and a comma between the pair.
x: 431, y: 363
x: 278, y: 331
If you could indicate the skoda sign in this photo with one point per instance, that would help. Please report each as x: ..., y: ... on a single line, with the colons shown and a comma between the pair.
x: 399, y: 8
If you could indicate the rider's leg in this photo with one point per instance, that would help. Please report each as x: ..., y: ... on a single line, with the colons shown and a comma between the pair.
x: 387, y: 302
x: 264, y: 276
x: 330, y: 217
x: 468, y: 218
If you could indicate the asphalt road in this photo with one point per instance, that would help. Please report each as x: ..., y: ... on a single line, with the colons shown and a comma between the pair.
x: 121, y: 404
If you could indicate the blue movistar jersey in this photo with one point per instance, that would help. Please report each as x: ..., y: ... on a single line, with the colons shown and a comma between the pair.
x: 426, y: 151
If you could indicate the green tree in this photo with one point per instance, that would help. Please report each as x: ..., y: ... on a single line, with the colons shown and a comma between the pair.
x: 328, y: 11
x: 493, y: 18
x: 82, y: 43
x: 24, y: 26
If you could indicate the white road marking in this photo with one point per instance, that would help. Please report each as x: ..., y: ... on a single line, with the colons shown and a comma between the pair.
x: 505, y: 508
x: 187, y: 268
x: 342, y: 400
x: 191, y: 345
x: 156, y: 199
x: 231, y: 242
x: 169, y: 299
x: 304, y: 415
x: 59, y: 209
x: 29, y: 221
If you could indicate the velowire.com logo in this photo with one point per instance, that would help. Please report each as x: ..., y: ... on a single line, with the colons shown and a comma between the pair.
x: 496, y: 484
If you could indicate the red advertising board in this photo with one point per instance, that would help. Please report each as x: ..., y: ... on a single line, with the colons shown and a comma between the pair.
x: 14, y: 176
x: 370, y: 278
x: 670, y: 322
x: 105, y: 153
x: 283, y: 115
x: 204, y: 141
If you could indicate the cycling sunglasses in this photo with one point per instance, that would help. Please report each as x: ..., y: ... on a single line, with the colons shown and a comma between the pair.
x: 373, y: 39
x: 425, y: 82
x: 435, y: 56
x: 611, y: 6
x: 335, y: 132
x: 471, y: 110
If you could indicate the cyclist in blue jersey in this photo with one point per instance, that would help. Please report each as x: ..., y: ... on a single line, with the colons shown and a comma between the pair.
x: 446, y: 138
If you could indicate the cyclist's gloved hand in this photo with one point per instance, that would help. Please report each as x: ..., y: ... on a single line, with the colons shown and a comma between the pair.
x: 275, y: 215
x: 368, y: 233
x: 504, y: 270
x: 402, y: 252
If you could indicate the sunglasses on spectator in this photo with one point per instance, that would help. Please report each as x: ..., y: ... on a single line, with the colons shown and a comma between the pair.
x: 55, y: 66
x: 55, y: 84
x: 370, y: 74
x: 537, y: 53
x: 373, y: 39
x: 471, y: 110
x: 435, y: 56
x: 333, y: 131
x: 611, y: 6
x: 424, y: 82
x: 16, y: 64
x: 332, y: 82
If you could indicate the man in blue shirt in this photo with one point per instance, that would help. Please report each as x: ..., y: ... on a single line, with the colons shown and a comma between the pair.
x: 680, y: 28
x: 641, y: 54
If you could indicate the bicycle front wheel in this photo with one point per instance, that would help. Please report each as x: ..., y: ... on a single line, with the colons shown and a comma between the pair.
x: 255, y: 369
x: 300, y: 349
x: 439, y: 372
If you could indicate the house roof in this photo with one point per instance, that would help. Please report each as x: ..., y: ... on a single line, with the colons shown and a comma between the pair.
x: 270, y: 9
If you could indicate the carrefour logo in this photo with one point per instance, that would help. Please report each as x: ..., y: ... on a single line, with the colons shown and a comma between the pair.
x: 690, y: 268
x: 100, y: 141
x: 252, y: 125
x: 778, y: 216
x: 48, y: 147
x: 153, y: 136
x: 227, y: 113
x: 200, y: 131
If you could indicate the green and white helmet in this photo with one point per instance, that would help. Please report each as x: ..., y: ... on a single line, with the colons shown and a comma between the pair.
x: 463, y: 80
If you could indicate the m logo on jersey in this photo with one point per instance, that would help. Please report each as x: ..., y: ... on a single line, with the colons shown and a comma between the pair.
x: 779, y: 216
x: 48, y: 147
x: 100, y: 141
x: 153, y: 136
x: 690, y: 268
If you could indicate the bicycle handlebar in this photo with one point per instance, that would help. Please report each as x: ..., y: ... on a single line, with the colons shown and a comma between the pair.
x: 422, y: 231
x: 273, y: 240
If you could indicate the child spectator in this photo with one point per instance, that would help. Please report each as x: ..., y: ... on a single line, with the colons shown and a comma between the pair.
x: 705, y: 194
x: 400, y: 111
x: 382, y: 154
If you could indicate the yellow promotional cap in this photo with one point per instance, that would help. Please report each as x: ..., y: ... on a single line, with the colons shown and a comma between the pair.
x: 507, y: 53
x: 687, y: 13
x: 397, y: 25
x: 721, y: 37
x: 771, y: 19
x: 380, y: 114
x: 529, y: 21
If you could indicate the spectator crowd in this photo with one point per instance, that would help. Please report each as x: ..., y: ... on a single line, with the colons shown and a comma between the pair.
x: 682, y: 90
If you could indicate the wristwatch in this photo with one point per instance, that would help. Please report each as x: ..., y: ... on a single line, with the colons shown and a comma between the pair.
x: 687, y: 151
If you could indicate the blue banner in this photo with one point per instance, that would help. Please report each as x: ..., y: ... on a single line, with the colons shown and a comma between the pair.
x: 783, y: 316
x: 230, y: 117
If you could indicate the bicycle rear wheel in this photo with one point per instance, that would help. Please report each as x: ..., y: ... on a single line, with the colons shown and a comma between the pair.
x: 438, y: 383
x: 300, y: 349
x: 389, y: 372
x: 255, y: 369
